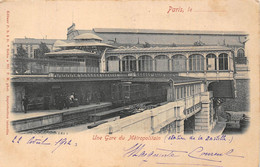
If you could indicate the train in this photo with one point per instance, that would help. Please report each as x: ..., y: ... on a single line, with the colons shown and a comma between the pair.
x: 125, y: 93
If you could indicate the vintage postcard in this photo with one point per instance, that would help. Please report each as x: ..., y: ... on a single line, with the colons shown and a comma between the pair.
x: 129, y: 83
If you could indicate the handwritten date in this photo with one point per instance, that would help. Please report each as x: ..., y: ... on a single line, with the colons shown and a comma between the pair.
x: 44, y: 141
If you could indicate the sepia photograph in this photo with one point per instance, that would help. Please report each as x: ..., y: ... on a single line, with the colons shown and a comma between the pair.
x: 139, y: 77
x: 148, y: 80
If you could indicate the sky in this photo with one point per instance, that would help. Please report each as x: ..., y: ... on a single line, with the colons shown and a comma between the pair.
x: 51, y: 19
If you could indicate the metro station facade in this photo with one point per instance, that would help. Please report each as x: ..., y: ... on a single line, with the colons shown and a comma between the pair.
x: 171, y: 66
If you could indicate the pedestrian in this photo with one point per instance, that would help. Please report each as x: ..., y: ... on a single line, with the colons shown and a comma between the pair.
x: 66, y: 101
x: 25, y: 102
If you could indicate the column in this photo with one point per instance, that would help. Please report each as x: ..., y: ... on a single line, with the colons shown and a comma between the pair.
x: 203, y: 121
x: 171, y: 91
x: 137, y: 65
x: 205, y: 61
x: 217, y: 61
x: 121, y: 64
x: 187, y: 62
x: 231, y: 65
x: 154, y: 64
x: 180, y: 126
x: 229, y: 56
x: 170, y: 64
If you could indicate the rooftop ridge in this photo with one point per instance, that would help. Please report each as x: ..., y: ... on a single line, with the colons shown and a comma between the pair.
x: 162, y: 31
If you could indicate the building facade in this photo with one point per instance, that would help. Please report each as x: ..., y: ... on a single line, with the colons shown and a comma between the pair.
x: 193, y: 70
x: 31, y: 45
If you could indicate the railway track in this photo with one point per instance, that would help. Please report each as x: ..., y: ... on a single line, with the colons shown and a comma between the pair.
x: 121, y: 112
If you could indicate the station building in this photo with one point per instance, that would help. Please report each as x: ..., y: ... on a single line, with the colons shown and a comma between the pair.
x: 193, y: 69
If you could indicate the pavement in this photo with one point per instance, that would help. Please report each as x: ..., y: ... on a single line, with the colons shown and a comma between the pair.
x: 219, y: 128
x: 40, y: 113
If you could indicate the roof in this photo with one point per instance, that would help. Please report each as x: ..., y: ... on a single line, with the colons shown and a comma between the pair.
x: 170, y: 49
x: 167, y: 37
x: 59, y: 43
x: 74, y: 44
x: 88, y: 36
x: 69, y: 52
x: 34, y: 41
x: 154, y: 31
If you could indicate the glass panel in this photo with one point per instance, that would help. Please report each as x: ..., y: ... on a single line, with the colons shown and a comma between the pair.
x: 179, y: 63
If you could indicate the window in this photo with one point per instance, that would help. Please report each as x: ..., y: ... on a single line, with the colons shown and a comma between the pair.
x: 177, y: 93
x: 145, y: 63
x: 161, y: 63
x: 182, y: 92
x: 178, y: 63
x: 241, y: 53
x: 113, y: 63
x: 188, y: 91
x: 223, y: 61
x: 211, y: 62
x: 192, y: 90
x: 129, y: 63
x: 196, y: 63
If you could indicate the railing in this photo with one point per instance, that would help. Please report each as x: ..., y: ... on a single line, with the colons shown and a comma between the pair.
x: 156, y: 74
x: 192, y: 104
x: 241, y: 60
x: 87, y: 75
x: 153, y: 120
x: 112, y: 75
x: 192, y: 109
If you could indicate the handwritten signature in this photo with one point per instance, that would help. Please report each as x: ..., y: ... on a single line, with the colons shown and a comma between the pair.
x: 200, y: 153
x: 44, y: 141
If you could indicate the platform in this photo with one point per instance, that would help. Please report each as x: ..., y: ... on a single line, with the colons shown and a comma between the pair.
x: 38, y: 118
x: 219, y: 128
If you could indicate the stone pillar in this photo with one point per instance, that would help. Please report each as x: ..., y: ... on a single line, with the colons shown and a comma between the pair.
x: 231, y: 65
x: 137, y: 65
x: 205, y: 61
x: 170, y: 64
x: 19, y: 92
x: 102, y: 62
x: 217, y: 62
x: 154, y: 65
x: 180, y: 126
x: 171, y: 91
x: 187, y: 64
x: 203, y: 122
x: 229, y: 61
x: 121, y: 65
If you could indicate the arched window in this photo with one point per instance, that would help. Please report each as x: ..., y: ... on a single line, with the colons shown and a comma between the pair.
x: 129, y: 63
x: 211, y: 62
x: 223, y: 61
x: 113, y: 63
x: 145, y: 63
x: 241, y: 53
x: 196, y: 62
x: 179, y: 63
x: 161, y: 63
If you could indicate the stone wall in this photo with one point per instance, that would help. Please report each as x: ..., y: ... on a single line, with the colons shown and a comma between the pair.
x: 241, y: 102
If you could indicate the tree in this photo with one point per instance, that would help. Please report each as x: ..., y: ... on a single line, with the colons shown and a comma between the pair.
x: 20, y: 63
x: 21, y: 52
x: 40, y: 52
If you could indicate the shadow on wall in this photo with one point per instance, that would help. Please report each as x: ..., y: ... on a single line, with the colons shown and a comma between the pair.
x: 242, y: 101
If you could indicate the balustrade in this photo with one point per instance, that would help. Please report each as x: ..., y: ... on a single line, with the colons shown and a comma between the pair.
x: 116, y: 75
